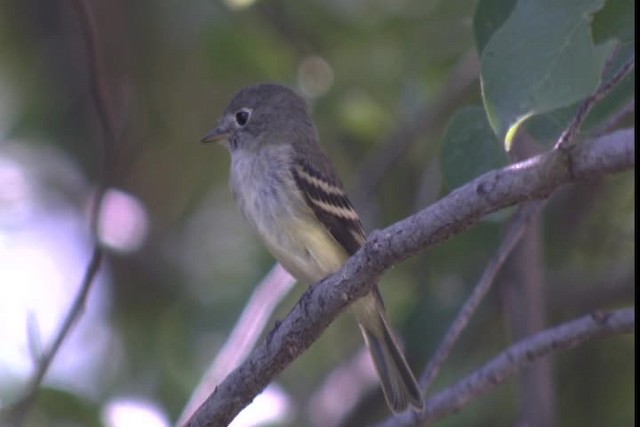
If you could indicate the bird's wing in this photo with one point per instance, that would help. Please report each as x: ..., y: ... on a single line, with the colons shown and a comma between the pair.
x: 325, y: 196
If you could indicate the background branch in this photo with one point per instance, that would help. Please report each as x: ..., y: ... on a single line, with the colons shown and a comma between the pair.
x: 252, y: 322
x: 16, y: 413
x: 535, y: 178
x: 519, y: 223
x: 511, y: 361
x: 569, y: 134
x: 524, y: 305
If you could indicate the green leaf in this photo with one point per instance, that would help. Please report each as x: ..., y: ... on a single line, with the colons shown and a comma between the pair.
x: 470, y: 147
x: 540, y: 60
x: 548, y: 127
x: 488, y: 17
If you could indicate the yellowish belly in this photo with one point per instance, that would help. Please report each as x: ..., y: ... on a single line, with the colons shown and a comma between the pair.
x: 306, y: 250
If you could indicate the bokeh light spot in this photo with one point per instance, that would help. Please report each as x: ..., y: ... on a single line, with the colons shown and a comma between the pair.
x: 315, y: 76
x: 272, y: 406
x: 239, y: 4
x: 123, y: 223
x: 133, y: 412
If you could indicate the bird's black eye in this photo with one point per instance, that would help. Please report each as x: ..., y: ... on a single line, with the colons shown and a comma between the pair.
x: 242, y: 116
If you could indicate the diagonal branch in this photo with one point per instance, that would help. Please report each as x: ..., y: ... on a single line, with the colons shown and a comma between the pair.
x: 513, y: 359
x: 253, y: 320
x: 535, y: 178
x: 526, y: 212
x: 569, y: 134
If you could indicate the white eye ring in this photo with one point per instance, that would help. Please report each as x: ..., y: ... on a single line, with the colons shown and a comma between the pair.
x: 242, y: 116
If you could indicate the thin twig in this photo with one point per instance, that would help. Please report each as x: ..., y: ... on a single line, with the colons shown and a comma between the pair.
x: 508, y: 363
x: 570, y: 132
x: 615, y: 120
x: 519, y: 223
x: 72, y: 316
x: 16, y: 414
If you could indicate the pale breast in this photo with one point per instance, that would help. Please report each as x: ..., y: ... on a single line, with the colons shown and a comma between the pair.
x: 266, y: 193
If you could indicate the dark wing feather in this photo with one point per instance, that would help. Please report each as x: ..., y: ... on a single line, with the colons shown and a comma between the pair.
x: 328, y: 201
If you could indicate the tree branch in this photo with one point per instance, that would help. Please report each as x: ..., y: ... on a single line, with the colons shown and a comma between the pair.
x: 516, y: 357
x: 520, y: 220
x: 569, y: 134
x: 253, y: 320
x: 535, y: 178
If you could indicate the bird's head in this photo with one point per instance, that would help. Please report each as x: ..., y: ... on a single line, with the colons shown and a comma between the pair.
x: 260, y: 115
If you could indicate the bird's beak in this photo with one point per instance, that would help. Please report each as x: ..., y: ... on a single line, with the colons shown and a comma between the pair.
x: 220, y: 133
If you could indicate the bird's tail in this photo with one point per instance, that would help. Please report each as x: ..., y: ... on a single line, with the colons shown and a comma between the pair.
x: 398, y: 383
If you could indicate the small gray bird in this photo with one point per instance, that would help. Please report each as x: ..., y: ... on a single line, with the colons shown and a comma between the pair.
x: 287, y: 188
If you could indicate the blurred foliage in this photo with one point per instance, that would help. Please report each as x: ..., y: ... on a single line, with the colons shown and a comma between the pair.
x: 172, y: 66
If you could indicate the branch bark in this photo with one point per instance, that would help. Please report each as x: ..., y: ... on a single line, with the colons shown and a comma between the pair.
x: 535, y: 178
